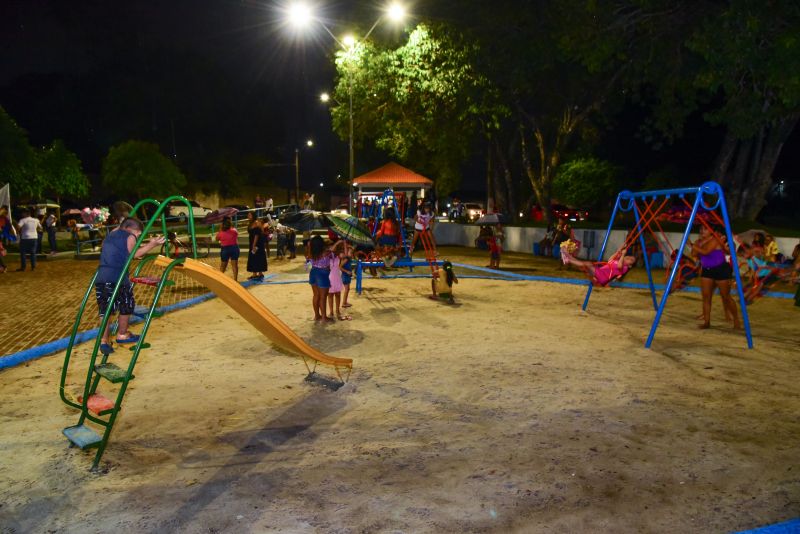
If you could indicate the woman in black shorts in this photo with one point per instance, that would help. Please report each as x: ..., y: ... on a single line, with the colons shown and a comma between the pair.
x: 716, y: 273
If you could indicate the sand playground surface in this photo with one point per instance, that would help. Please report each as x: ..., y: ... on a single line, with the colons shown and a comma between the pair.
x: 512, y: 411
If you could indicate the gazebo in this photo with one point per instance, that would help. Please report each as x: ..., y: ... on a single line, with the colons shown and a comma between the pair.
x: 392, y: 176
x: 402, y: 181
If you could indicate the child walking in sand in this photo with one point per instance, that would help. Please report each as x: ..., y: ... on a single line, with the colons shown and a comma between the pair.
x: 114, y: 253
x: 337, y: 285
x: 602, y: 273
x: 228, y: 238
x: 319, y: 257
x: 442, y: 283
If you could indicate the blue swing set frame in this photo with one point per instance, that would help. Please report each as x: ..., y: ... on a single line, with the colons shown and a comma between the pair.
x: 626, y: 202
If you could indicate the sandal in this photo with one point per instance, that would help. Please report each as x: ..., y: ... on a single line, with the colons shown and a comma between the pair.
x: 132, y: 338
x: 106, y: 348
x: 347, y: 305
x: 345, y: 318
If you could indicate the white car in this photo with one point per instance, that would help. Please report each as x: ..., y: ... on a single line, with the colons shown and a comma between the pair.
x: 181, y: 211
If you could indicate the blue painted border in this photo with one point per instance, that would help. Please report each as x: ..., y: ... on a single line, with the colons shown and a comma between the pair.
x: 787, y: 527
x: 32, y: 353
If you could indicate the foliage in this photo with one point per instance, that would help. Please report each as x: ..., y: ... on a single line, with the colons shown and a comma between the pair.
x: 138, y: 169
x: 61, y: 170
x: 751, y: 55
x: 53, y: 170
x: 585, y: 182
x: 17, y: 159
x: 424, y: 102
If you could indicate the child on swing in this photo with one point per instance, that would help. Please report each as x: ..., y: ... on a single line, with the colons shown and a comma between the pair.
x: 603, y: 273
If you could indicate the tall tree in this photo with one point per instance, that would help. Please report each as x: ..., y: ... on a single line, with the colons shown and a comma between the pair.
x: 751, y: 56
x: 424, y: 102
x: 60, y: 169
x: 17, y: 159
x: 138, y: 169
x: 736, y: 59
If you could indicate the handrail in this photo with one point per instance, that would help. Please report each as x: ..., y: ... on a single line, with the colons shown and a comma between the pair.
x: 124, y: 275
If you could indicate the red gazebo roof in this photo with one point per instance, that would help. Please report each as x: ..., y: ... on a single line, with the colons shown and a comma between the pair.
x: 393, y: 175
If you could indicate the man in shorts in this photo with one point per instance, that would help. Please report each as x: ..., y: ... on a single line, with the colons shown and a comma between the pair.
x: 117, y: 246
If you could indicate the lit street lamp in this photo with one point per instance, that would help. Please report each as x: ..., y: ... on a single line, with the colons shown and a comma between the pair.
x: 300, y: 15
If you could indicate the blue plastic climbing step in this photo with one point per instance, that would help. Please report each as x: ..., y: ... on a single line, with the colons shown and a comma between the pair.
x: 82, y: 436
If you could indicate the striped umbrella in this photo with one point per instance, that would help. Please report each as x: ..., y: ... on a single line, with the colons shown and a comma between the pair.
x: 350, y: 228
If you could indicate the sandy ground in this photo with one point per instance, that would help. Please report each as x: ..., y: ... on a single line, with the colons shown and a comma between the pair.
x: 512, y: 411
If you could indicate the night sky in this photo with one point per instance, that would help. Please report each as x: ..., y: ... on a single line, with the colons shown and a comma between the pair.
x: 224, y: 75
x: 221, y: 73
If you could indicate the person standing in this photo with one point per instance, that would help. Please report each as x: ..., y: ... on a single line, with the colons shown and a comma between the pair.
x: 268, y: 205
x: 257, y: 254
x: 716, y: 273
x: 39, y: 231
x: 28, y: 233
x: 50, y: 224
x: 228, y: 238
x: 259, y: 204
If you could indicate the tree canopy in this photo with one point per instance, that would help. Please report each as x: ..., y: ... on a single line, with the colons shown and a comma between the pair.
x: 138, y: 169
x: 52, y: 170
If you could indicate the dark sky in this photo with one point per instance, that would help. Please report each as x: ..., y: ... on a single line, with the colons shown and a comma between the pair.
x: 224, y: 75
x: 227, y: 72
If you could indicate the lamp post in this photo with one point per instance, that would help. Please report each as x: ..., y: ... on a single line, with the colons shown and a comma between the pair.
x: 309, y: 144
x: 300, y: 15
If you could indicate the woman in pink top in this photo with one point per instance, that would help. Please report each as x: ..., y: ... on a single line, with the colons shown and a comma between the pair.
x: 603, y: 273
x: 228, y: 239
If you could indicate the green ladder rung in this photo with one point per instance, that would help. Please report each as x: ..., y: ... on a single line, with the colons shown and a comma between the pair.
x: 142, y: 311
x: 111, y: 372
x: 82, y: 436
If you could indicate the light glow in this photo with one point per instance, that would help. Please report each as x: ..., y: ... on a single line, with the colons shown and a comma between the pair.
x: 325, y: 97
x: 299, y: 15
x: 396, y: 12
x: 349, y: 41
x: 309, y: 143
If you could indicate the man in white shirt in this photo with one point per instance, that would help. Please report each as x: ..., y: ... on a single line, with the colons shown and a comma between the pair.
x: 268, y: 205
x: 29, y: 229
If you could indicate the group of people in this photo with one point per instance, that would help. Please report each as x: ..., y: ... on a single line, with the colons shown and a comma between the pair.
x: 29, y: 230
x: 260, y: 232
x: 554, y: 236
x: 330, y: 275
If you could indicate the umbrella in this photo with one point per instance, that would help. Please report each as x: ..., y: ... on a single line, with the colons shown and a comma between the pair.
x: 304, y: 220
x: 489, y: 218
x: 349, y: 228
x: 71, y: 211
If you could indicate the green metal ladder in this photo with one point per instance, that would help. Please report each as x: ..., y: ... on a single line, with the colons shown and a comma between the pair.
x: 94, y: 407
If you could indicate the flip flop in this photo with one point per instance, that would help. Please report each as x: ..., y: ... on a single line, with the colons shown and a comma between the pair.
x: 132, y: 338
x: 345, y: 318
x: 105, y: 348
x: 346, y: 305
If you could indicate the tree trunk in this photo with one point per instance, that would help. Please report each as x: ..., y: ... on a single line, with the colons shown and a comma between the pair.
x: 503, y: 168
x: 768, y: 157
x: 738, y: 177
x: 720, y: 172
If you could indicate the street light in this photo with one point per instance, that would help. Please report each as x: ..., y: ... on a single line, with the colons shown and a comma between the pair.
x: 301, y: 15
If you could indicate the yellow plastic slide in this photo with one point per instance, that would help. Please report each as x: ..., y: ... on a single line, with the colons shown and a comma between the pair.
x: 252, y: 309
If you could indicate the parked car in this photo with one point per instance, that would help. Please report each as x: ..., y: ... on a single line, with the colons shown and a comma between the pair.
x: 571, y: 214
x: 180, y: 210
x: 473, y: 211
x: 283, y: 209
